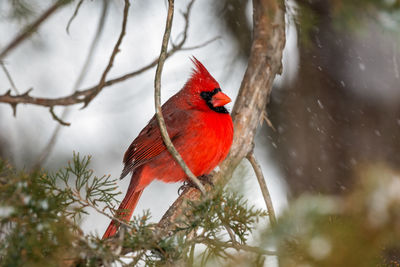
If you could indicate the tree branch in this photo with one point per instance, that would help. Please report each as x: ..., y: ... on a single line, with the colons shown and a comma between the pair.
x: 7, y: 73
x: 31, y: 28
x: 78, y: 6
x: 236, y: 246
x: 263, y: 186
x: 77, y: 97
x: 58, y: 119
x: 157, y: 99
x: 100, y: 86
x: 80, y: 96
x: 85, y: 203
x: 264, y: 63
x: 200, y: 45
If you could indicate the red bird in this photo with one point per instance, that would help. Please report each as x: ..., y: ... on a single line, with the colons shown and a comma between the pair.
x: 200, y: 128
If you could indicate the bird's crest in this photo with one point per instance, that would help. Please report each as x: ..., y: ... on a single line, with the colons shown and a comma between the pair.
x: 200, y: 75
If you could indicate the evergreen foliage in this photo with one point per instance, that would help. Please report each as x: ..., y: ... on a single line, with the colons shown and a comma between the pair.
x: 41, y: 214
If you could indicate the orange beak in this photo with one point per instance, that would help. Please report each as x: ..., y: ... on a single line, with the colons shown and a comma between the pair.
x: 220, y: 99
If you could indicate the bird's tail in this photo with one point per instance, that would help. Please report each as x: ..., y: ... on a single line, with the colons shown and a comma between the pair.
x: 124, y: 211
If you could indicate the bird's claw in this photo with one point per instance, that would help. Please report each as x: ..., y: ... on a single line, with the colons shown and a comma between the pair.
x: 204, y: 179
x: 186, y: 185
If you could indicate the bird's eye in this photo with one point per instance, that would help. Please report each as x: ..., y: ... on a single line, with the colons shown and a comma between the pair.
x: 207, y: 96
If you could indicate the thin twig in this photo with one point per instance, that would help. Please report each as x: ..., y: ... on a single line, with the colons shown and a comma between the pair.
x: 31, y: 28
x: 264, y: 117
x: 186, y: 17
x: 7, y: 73
x: 230, y: 233
x: 263, y: 185
x: 112, y: 57
x: 157, y: 97
x: 228, y: 229
x: 87, y: 203
x: 136, y: 258
x: 236, y: 246
x: 58, y: 119
x: 200, y: 45
x: 78, y: 6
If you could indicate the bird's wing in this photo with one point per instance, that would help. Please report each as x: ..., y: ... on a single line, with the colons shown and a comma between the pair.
x: 148, y: 144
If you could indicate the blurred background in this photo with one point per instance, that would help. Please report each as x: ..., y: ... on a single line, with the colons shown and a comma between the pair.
x: 334, y: 110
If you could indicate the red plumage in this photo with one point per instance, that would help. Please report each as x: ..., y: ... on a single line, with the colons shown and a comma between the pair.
x: 200, y: 128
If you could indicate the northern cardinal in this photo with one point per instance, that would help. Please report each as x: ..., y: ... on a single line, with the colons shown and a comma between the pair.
x: 200, y: 128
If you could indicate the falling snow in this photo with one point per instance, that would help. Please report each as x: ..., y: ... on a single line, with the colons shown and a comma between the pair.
x: 320, y: 104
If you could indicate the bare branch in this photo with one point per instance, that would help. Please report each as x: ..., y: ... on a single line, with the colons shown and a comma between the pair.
x: 78, y: 6
x: 7, y: 73
x: 201, y: 45
x: 85, y: 203
x: 186, y: 16
x: 31, y: 28
x: 157, y: 97
x: 263, y: 186
x: 264, y: 117
x: 58, y: 119
x: 100, y: 86
x: 231, y: 234
x: 75, y: 98
x: 236, y: 246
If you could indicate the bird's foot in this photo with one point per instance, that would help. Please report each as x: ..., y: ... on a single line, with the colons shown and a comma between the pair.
x: 186, y: 185
x: 204, y: 179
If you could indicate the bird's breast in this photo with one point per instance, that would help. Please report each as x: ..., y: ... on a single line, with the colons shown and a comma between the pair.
x: 203, y: 142
x: 208, y: 141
